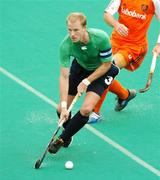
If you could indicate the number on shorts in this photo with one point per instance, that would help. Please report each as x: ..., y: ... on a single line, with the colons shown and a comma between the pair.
x: 108, y: 80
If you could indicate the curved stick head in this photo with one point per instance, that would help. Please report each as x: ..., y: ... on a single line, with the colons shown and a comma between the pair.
x: 144, y: 90
x: 37, y: 164
x: 149, y: 81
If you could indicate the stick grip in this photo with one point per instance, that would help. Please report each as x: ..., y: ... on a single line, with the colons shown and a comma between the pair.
x: 73, y: 102
x: 153, y: 64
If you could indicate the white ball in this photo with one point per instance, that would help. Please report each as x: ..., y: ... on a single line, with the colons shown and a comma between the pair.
x: 69, y: 165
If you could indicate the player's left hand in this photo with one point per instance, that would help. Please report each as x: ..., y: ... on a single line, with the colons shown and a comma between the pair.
x: 156, y: 49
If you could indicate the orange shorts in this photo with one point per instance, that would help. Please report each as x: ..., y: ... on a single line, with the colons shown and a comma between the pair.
x: 133, y: 54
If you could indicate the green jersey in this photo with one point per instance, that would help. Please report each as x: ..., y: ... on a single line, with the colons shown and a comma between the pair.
x: 91, y: 55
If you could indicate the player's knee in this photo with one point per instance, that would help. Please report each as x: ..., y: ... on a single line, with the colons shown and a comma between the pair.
x: 120, y: 61
x: 86, y: 110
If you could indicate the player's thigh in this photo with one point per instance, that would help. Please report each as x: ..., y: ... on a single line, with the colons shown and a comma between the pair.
x: 89, y: 102
x: 120, y: 60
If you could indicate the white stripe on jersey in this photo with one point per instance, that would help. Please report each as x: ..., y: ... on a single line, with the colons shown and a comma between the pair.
x: 113, y: 7
x: 157, y: 8
x: 105, y: 53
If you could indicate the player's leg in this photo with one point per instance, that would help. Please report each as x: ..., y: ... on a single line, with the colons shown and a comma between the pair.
x: 95, y: 116
x: 77, y: 74
x: 81, y: 117
x: 94, y: 91
x: 123, y: 95
x: 133, y: 61
x: 116, y: 88
x: 76, y: 122
x: 74, y: 79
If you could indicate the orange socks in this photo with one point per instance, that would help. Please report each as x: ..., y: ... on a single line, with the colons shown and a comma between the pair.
x: 100, y: 102
x: 115, y: 88
x: 119, y: 90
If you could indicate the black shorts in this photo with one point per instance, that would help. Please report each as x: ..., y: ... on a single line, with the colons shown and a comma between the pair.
x: 78, y: 73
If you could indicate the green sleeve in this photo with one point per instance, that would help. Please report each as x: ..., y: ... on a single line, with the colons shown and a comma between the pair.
x: 105, y: 49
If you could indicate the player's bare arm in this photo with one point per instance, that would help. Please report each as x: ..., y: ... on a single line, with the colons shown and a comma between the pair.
x: 110, y: 20
x: 82, y: 87
x: 64, y: 78
x: 120, y: 28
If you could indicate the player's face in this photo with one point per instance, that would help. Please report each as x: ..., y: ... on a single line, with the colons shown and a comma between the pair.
x: 76, y: 30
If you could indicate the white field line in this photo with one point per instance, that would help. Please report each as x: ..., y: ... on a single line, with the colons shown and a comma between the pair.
x: 90, y: 128
x: 123, y: 150
x: 28, y: 87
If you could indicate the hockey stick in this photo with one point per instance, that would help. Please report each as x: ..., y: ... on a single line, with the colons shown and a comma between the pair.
x: 150, y: 76
x: 39, y: 161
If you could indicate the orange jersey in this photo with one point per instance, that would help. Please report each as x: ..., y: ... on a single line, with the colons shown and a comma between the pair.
x: 136, y: 16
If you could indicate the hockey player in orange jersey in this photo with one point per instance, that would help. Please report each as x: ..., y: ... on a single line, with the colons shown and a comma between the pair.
x: 129, y: 43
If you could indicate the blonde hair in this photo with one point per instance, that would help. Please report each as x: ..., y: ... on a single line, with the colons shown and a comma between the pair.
x: 74, y: 16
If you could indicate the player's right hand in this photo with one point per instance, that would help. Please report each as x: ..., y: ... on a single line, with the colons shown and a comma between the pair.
x: 121, y: 29
x: 156, y: 50
x: 64, y: 115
